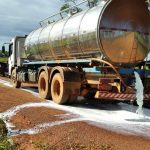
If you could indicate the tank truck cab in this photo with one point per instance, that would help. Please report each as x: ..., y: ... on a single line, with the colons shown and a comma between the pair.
x: 16, y: 53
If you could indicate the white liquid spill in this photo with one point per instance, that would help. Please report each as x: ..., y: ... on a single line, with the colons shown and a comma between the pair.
x: 118, y: 118
x: 65, y: 116
x: 33, y: 91
x: 39, y: 128
x: 6, y: 116
x: 6, y: 83
x: 139, y: 93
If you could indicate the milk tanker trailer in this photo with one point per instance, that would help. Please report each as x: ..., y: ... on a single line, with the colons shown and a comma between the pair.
x: 92, y: 53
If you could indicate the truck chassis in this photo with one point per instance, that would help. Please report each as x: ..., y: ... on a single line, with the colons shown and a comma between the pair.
x: 65, y: 80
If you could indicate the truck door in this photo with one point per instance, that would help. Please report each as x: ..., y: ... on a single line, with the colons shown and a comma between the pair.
x: 20, y: 51
x: 11, y: 59
x: 16, y: 53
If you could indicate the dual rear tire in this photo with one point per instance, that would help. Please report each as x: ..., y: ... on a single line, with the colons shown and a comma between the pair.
x: 44, y: 86
x: 60, y: 91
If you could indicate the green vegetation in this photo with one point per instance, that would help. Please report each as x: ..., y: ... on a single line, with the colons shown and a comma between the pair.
x: 3, y: 56
x: 68, y: 3
x: 3, y: 59
x: 3, y: 129
x: 5, y: 143
x: 65, y: 6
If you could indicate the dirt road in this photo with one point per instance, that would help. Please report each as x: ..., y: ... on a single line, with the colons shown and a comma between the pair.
x: 36, y: 127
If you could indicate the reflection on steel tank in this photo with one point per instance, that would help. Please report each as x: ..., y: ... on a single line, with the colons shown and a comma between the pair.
x: 116, y: 29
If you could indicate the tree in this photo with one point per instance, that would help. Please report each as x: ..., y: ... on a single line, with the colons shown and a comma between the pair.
x: 67, y: 4
x: 3, y: 54
x: 92, y: 3
x: 70, y: 1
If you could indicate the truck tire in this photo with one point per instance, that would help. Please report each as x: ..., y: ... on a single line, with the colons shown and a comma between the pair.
x: 72, y: 99
x: 15, y: 83
x: 74, y: 90
x: 44, y: 86
x: 59, y: 90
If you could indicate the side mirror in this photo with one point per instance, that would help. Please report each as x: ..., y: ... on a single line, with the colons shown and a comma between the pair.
x: 3, y: 49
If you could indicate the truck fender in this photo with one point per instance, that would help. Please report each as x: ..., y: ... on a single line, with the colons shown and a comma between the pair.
x: 68, y: 74
x: 46, y: 69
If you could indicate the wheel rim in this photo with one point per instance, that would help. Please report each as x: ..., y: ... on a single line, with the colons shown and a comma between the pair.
x: 43, y: 85
x: 13, y: 77
x: 57, y: 88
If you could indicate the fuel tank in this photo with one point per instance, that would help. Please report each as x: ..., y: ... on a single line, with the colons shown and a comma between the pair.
x: 118, y: 30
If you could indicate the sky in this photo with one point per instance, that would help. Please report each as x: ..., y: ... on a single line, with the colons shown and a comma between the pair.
x: 20, y: 17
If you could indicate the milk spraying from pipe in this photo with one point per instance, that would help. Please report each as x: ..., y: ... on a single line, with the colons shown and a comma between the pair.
x: 139, y: 93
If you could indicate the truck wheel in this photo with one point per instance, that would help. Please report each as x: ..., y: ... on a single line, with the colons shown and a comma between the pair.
x: 72, y: 99
x: 74, y: 90
x: 59, y: 91
x: 44, y: 86
x: 15, y: 83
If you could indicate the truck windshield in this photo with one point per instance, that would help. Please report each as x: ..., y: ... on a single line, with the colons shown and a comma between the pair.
x: 10, y: 49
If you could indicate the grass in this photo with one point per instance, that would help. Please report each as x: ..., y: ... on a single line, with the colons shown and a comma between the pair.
x: 3, y: 59
x: 5, y: 143
x: 3, y: 129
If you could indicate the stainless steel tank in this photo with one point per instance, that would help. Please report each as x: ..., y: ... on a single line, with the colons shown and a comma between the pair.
x: 116, y: 29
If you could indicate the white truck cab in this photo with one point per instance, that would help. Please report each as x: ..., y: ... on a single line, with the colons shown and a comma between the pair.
x: 16, y: 53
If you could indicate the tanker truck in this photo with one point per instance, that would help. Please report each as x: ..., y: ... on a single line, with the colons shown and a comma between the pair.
x: 91, y: 53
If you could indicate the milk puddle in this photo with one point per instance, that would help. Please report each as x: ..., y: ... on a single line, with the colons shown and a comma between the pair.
x: 39, y: 128
x: 119, y: 118
x: 6, y: 83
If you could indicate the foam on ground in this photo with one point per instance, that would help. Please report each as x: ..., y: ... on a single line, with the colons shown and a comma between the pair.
x: 120, y: 118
